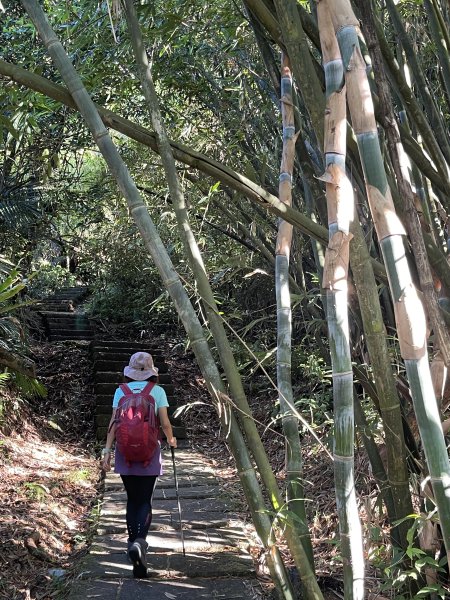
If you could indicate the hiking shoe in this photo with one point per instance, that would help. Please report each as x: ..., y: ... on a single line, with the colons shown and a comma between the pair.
x: 136, y: 554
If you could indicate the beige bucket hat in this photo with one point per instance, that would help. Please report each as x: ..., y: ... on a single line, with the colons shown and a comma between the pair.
x: 140, y: 367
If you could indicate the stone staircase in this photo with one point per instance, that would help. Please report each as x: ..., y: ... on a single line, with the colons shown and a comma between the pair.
x: 61, y: 318
x: 109, y: 359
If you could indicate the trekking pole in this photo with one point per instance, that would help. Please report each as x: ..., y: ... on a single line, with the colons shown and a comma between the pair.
x: 172, y: 449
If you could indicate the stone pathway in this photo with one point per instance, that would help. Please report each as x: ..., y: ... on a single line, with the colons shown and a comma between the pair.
x: 61, y: 318
x: 217, y: 564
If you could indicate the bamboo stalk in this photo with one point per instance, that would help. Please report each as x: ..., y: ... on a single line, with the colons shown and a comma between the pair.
x: 413, y: 108
x: 389, y: 404
x: 409, y: 313
x: 438, y: 37
x: 335, y: 282
x: 194, y: 255
x: 302, y: 63
x: 401, y: 169
x: 294, y: 468
x: 422, y: 84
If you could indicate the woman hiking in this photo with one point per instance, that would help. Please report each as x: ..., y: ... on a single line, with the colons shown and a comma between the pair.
x: 138, y: 471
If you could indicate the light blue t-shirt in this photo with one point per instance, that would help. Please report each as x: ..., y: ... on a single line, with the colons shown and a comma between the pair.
x: 158, y: 394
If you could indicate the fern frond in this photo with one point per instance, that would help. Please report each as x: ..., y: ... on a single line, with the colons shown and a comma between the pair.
x: 4, y: 378
x: 29, y: 386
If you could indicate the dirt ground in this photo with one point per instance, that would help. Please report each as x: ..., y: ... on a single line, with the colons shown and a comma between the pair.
x: 50, y: 480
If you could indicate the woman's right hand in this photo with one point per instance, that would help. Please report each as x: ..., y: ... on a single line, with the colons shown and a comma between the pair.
x: 106, y: 461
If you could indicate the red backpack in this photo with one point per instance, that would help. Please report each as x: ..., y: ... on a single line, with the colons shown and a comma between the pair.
x: 137, y: 425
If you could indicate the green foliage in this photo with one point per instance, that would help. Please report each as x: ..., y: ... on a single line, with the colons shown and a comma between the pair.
x: 312, y: 386
x: 12, y: 344
x: 49, y: 279
x: 79, y: 476
x: 10, y: 327
x: 408, y: 572
x: 36, y: 491
x: 127, y: 288
x: 29, y: 386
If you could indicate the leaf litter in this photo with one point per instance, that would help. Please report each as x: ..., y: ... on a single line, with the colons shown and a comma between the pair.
x: 50, y: 480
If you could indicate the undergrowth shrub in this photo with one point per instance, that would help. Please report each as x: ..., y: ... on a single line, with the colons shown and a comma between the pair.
x: 48, y: 279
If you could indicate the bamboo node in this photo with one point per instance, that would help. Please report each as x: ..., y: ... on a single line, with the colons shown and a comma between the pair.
x: 347, y: 459
x: 101, y: 135
x: 385, y: 218
x: 285, y: 177
x: 286, y: 101
x: 53, y: 41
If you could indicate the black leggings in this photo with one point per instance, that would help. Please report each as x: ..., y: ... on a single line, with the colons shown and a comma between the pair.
x: 139, y: 490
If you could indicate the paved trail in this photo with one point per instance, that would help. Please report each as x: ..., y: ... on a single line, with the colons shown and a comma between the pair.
x: 217, y: 564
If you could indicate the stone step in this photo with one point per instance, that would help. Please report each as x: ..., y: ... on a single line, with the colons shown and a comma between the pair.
x: 178, y: 431
x: 74, y: 289
x: 63, y: 326
x: 69, y: 331
x: 212, y: 540
x: 124, y: 356
x: 75, y: 298
x: 167, y: 517
x: 121, y: 344
x: 56, y: 301
x: 116, y: 377
x: 55, y: 308
x: 204, y: 492
x: 62, y: 338
x: 64, y: 297
x: 57, y: 314
x: 229, y: 588
x: 49, y: 314
x: 170, y: 566
x: 66, y: 319
x: 166, y: 481
x: 79, y: 292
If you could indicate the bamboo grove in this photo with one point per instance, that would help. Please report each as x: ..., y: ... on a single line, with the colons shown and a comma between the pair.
x: 363, y: 199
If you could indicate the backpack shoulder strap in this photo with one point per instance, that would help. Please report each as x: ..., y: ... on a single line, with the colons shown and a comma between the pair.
x: 125, y: 389
x: 148, y: 388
